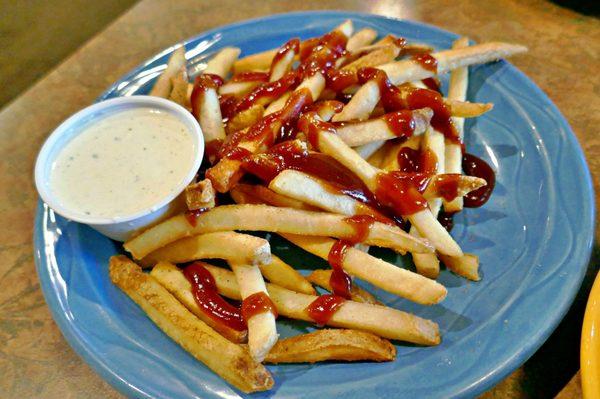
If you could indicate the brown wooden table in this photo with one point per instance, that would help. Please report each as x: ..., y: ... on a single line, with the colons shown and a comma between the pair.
x: 35, y: 361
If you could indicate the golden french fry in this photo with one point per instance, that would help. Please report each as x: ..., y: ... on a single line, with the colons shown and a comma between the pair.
x: 227, y: 245
x: 378, y: 272
x: 207, y: 110
x: 368, y: 95
x: 263, y: 195
x: 280, y: 273
x: 262, y: 332
x: 375, y: 58
x: 359, y: 133
x: 179, y: 88
x: 360, y: 39
x: 228, y: 360
x: 222, y: 62
x: 464, y: 185
x: 315, y: 84
x: 466, y: 266
x: 390, y: 161
x: 321, y: 278
x: 168, y: 276
x: 245, y: 119
x: 465, y: 109
x: 163, y: 85
x: 379, y: 320
x: 255, y: 62
x: 200, y: 195
x: 273, y: 219
x: 330, y: 344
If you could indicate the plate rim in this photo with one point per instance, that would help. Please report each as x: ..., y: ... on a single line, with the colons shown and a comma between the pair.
x: 479, y: 386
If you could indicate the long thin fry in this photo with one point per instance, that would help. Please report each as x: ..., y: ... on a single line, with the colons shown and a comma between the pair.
x: 366, y: 98
x: 228, y: 245
x: 228, y: 360
x: 384, y: 275
x: 380, y: 320
x: 280, y: 273
x: 267, y: 218
x: 321, y: 278
x: 330, y: 344
x: 262, y: 195
x: 382, y: 128
x: 457, y: 90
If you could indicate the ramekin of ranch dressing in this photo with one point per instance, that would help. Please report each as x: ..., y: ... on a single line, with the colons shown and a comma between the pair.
x: 119, y: 164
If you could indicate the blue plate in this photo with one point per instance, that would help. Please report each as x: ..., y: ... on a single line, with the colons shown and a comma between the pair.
x: 533, y: 237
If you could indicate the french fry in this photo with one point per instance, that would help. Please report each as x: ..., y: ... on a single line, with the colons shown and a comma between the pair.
x: 310, y: 190
x: 255, y: 62
x: 374, y: 58
x: 457, y: 90
x: 238, y: 89
x: 206, y: 109
x: 433, y: 141
x: 464, y: 185
x: 272, y: 219
x: 163, y: 85
x: 366, y: 150
x: 360, y: 39
x: 230, y: 361
x: 376, y: 158
x: 332, y: 344
x: 168, y: 276
x: 234, y: 247
x: 262, y: 332
x: 200, y: 195
x: 267, y: 196
x: 283, y: 63
x: 321, y: 278
x: 466, y: 266
x: 315, y: 84
x: 386, y: 276
x: 380, y: 320
x: 280, y: 273
x: 427, y: 225
x: 359, y: 133
x: 245, y: 119
x: 222, y: 62
x: 465, y: 109
x: 179, y: 88
x: 390, y: 162
x: 366, y: 98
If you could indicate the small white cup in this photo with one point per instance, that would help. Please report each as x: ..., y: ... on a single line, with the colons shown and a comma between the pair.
x: 117, y: 228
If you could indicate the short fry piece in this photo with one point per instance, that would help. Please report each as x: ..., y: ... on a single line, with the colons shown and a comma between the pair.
x: 228, y: 360
x: 200, y: 195
x: 360, y: 39
x: 466, y: 266
x: 222, y: 62
x: 280, y: 273
x: 262, y: 333
x: 321, y: 278
x: 179, y: 91
x: 163, y: 85
x: 380, y: 320
x: 330, y: 344
x: 169, y: 276
x: 227, y: 245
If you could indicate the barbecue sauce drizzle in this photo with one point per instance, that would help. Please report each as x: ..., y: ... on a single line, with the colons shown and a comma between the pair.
x: 208, y: 299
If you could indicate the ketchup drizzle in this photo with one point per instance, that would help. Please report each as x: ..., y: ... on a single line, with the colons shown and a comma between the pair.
x: 250, y: 77
x: 192, y: 216
x: 401, y: 123
x: 257, y: 303
x: 208, y: 299
x: 324, y: 307
x: 474, y: 166
x: 427, y: 61
x: 340, y: 281
x: 291, y: 45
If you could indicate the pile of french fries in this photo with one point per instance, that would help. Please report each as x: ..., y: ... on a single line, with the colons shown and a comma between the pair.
x: 278, y: 98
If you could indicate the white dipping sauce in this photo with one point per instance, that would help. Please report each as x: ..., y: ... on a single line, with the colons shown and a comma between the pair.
x: 123, y: 163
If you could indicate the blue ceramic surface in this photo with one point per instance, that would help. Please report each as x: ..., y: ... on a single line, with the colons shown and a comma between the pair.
x: 533, y: 237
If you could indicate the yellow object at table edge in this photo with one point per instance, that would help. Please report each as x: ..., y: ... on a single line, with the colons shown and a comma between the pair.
x: 590, y: 345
